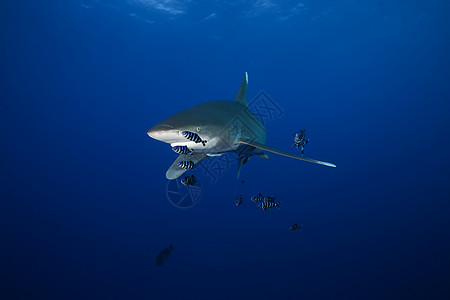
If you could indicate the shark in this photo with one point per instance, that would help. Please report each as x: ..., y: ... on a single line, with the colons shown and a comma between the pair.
x: 226, y: 126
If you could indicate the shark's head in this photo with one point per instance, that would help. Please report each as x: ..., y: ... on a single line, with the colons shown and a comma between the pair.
x: 197, y: 119
x: 214, y: 122
x: 171, y: 133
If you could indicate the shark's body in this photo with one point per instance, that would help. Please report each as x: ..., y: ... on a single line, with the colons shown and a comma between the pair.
x: 226, y: 126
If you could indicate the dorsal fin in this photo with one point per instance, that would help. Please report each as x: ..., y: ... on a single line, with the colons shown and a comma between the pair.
x: 242, y: 95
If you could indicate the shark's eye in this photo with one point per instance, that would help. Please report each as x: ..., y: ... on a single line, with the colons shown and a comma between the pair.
x: 198, y: 129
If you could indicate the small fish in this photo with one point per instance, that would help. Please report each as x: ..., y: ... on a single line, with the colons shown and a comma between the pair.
x: 163, y: 256
x: 186, y: 164
x: 182, y: 150
x: 192, y: 136
x: 265, y: 205
x: 189, y: 180
x: 295, y: 227
x: 269, y: 199
x: 258, y: 198
x: 300, y: 140
x: 242, y: 181
x: 238, y: 200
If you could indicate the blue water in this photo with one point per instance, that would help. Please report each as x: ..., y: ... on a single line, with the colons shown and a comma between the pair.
x: 84, y: 208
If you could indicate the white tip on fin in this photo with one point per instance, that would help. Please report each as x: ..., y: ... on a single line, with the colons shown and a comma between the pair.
x: 242, y: 94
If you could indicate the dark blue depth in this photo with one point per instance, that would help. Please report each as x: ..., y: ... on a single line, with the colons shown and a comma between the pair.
x: 84, y: 210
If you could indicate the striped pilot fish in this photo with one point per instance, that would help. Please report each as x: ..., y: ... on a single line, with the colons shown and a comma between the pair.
x: 189, y: 180
x: 258, y: 198
x: 192, y: 136
x: 186, y: 164
x: 182, y: 150
x: 300, y: 140
x: 265, y: 205
x: 269, y: 199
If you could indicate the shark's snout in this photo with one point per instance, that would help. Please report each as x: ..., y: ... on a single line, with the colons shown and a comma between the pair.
x: 164, y: 133
x: 159, y: 129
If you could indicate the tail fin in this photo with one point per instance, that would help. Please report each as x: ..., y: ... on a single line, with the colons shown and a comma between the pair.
x: 241, y: 159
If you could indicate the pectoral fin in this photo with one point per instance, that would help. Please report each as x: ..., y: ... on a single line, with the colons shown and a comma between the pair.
x: 175, y: 171
x: 270, y: 149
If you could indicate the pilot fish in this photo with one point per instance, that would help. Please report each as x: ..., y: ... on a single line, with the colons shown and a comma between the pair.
x: 295, y: 227
x: 238, y: 200
x: 188, y: 180
x: 186, y: 164
x: 163, y: 256
x: 182, y: 150
x: 269, y: 199
x: 265, y: 205
x: 258, y: 198
x: 192, y: 136
x: 300, y: 140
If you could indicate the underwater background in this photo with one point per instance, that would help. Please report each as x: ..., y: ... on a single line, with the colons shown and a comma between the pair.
x: 85, y: 206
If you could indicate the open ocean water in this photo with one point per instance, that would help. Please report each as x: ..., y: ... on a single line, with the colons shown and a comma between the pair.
x: 85, y: 206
